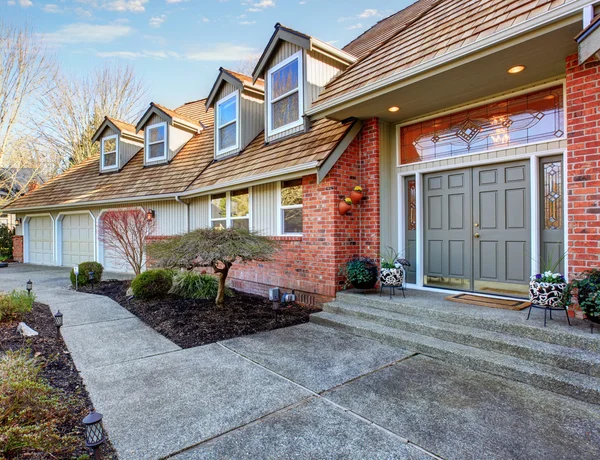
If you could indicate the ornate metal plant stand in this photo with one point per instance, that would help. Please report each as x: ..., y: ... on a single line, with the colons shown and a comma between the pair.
x: 392, y: 278
x: 547, y: 297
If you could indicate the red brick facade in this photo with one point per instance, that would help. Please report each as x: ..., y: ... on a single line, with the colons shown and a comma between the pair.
x: 310, y: 264
x: 18, y: 248
x: 583, y: 164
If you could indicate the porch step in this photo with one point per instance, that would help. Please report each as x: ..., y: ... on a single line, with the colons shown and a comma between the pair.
x: 562, y: 381
x: 566, y: 336
x: 573, y: 359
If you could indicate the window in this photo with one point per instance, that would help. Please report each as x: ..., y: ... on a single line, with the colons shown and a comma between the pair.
x: 291, y: 207
x: 285, y: 107
x: 227, y: 124
x: 230, y: 209
x: 156, y: 142
x: 109, y: 152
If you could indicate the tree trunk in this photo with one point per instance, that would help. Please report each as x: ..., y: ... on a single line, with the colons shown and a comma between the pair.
x: 223, y: 272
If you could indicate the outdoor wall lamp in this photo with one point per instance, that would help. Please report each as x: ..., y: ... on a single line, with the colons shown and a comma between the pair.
x: 29, y: 286
x: 91, y: 278
x: 94, y: 432
x: 18, y: 221
x: 58, y: 321
x: 150, y: 215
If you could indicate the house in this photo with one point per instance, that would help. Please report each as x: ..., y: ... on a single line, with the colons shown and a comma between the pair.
x: 14, y: 183
x: 471, y: 126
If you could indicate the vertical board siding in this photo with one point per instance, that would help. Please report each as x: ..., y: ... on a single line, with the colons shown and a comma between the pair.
x: 252, y: 113
x: 176, y: 138
x: 264, y: 208
x: 199, y: 213
x: 155, y: 118
x: 388, y: 188
x: 320, y: 70
x: 127, y: 150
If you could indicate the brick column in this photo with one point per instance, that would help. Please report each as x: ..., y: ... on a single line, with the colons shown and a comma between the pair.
x: 17, y: 248
x: 583, y: 164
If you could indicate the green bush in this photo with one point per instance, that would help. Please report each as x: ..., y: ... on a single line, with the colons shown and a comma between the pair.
x: 152, y: 284
x: 15, y: 304
x: 194, y: 285
x: 32, y: 413
x: 6, y: 242
x: 84, y: 273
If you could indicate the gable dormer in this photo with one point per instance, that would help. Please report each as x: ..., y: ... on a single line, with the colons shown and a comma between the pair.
x: 119, y: 142
x: 165, y: 133
x: 295, y: 68
x: 238, y: 107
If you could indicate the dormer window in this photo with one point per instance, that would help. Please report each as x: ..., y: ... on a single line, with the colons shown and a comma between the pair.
x: 110, y: 148
x: 227, y: 124
x: 285, y: 102
x: 156, y: 142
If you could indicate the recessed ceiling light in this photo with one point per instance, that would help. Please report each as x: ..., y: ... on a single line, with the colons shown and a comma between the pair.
x: 516, y: 69
x: 394, y: 109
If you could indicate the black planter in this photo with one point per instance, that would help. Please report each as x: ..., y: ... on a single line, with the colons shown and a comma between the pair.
x: 368, y: 284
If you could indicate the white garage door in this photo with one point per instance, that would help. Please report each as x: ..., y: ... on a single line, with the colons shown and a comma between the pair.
x: 113, y: 262
x: 77, y: 239
x: 40, y: 241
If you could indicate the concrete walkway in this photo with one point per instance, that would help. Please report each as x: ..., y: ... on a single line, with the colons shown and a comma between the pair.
x: 299, y: 392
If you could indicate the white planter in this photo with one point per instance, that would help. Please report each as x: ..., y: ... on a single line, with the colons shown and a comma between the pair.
x: 546, y: 294
x: 393, y: 277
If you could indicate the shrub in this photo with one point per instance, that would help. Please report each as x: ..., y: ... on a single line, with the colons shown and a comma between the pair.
x: 152, y: 284
x: 194, y: 285
x: 15, y: 304
x: 32, y: 413
x: 6, y: 242
x: 84, y: 270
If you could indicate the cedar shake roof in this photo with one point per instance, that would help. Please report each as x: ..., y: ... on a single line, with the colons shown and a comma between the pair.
x: 178, y: 115
x: 123, y: 126
x: 192, y: 168
x: 436, y: 28
x: 246, y: 80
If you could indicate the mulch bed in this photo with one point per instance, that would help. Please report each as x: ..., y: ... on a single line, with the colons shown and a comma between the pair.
x: 190, y: 323
x: 59, y: 370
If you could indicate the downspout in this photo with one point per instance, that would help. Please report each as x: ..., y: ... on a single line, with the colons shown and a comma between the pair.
x: 187, y: 212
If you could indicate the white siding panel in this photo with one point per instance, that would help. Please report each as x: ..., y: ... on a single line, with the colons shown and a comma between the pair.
x: 253, y: 118
x: 264, y: 208
x: 177, y: 138
x: 199, y: 213
x: 320, y: 70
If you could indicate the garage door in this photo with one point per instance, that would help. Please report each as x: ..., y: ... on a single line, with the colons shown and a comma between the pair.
x: 40, y: 241
x: 114, y: 262
x: 77, y: 239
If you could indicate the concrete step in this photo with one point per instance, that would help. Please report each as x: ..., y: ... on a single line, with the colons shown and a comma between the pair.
x: 572, y: 337
x: 573, y: 359
x: 569, y: 383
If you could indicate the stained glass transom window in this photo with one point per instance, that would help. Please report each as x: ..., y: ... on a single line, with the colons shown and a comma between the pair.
x: 412, y: 204
x: 553, y: 195
x: 521, y: 120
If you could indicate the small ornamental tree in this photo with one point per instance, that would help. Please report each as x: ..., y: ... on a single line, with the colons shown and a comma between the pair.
x: 124, y: 232
x: 216, y: 248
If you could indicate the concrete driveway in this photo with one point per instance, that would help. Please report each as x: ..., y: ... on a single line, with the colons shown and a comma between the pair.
x: 300, y: 392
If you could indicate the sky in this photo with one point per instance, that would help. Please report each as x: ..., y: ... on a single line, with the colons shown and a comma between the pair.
x: 177, y: 46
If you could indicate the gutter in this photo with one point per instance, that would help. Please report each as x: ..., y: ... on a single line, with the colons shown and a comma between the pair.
x: 561, y: 12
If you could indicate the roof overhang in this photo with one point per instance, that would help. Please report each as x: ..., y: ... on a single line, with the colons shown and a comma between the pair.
x: 175, y: 121
x: 588, y: 41
x: 469, y: 72
x: 107, y: 123
x: 226, y: 77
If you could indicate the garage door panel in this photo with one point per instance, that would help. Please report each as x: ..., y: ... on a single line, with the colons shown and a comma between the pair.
x: 40, y: 240
x: 77, y: 239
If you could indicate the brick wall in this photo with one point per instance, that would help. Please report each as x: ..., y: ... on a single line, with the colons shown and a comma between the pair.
x: 583, y: 164
x: 310, y: 264
x: 18, y: 248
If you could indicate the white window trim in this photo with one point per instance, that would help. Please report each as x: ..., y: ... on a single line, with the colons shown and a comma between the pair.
x: 148, y: 143
x: 228, y: 219
x: 116, y: 165
x: 220, y: 152
x: 300, y: 90
x: 281, y: 208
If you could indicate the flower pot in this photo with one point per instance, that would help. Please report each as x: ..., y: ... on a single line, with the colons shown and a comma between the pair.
x: 393, y: 277
x: 344, y: 207
x: 368, y: 284
x: 546, y: 294
x: 356, y: 196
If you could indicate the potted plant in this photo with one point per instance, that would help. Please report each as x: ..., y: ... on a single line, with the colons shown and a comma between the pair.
x: 392, y: 270
x: 345, y: 206
x: 356, y: 194
x: 360, y: 272
x: 588, y: 294
x: 548, y: 289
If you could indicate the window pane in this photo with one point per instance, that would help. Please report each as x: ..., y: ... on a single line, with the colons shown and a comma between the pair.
x: 553, y: 196
x: 227, y: 136
x: 157, y: 134
x: 285, y: 111
x: 292, y: 220
x: 110, y: 145
x: 291, y: 192
x: 240, y: 203
x: 227, y: 111
x: 284, y: 80
x: 218, y: 205
x: 220, y: 224
x: 157, y: 150
x: 110, y: 159
x: 241, y: 223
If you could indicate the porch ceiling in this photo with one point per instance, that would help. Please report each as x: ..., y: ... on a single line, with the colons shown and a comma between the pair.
x: 544, y: 58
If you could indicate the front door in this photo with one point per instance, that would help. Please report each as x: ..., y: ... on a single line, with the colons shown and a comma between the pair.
x: 477, y: 229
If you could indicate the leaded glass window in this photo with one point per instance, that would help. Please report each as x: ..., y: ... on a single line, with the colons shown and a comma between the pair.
x: 553, y: 195
x: 520, y: 120
x: 412, y: 205
x: 227, y: 124
x: 285, y: 94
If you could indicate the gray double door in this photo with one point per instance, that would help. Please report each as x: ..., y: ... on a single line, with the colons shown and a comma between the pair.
x: 477, y: 228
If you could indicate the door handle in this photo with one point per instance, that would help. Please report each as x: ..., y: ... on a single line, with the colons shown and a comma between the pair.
x: 476, y: 235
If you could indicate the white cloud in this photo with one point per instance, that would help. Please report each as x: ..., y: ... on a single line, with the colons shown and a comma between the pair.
x: 82, y: 13
x: 134, y: 6
x: 160, y: 55
x: 246, y: 23
x: 23, y: 3
x: 369, y: 13
x: 156, y: 21
x: 223, y: 52
x: 355, y: 26
x: 51, y: 8
x: 255, y: 7
x: 87, y: 33
x: 177, y: 1
x: 205, y: 20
